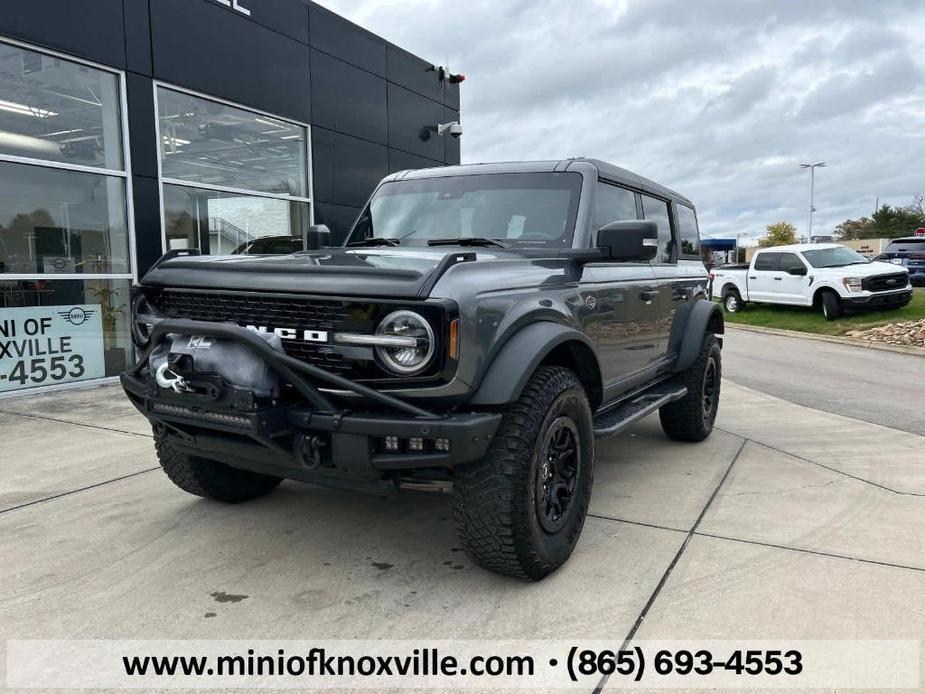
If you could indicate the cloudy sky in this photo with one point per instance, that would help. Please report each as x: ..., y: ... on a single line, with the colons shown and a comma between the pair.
x: 718, y: 99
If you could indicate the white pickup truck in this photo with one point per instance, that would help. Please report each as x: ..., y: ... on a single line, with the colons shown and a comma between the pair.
x: 827, y: 275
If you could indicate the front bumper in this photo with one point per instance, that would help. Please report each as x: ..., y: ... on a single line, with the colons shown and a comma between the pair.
x: 880, y: 299
x: 308, y: 438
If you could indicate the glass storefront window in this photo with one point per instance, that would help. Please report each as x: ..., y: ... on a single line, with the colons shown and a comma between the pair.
x: 57, y: 110
x: 221, y: 223
x: 61, y: 331
x: 207, y: 142
x: 54, y: 221
x: 65, y: 258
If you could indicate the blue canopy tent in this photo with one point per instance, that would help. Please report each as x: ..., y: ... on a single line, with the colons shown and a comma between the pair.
x: 718, y: 246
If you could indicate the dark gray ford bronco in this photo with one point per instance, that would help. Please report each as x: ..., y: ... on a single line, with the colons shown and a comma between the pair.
x: 481, y: 327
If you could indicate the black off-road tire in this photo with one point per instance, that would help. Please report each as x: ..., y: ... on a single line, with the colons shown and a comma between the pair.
x: 732, y: 301
x: 691, y: 418
x: 499, y: 521
x: 831, y: 305
x: 209, y: 478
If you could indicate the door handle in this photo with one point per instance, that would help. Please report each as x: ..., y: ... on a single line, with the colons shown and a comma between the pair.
x: 648, y: 294
x: 778, y: 279
x: 752, y: 277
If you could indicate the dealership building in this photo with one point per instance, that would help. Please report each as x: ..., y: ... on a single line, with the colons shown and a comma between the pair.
x: 132, y: 127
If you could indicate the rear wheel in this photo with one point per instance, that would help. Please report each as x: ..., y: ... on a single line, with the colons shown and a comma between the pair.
x: 831, y: 305
x: 209, y: 478
x: 520, y: 509
x: 691, y: 418
x: 732, y: 302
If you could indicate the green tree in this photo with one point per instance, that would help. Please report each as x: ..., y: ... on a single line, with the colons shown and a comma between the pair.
x: 779, y: 234
x: 887, y: 222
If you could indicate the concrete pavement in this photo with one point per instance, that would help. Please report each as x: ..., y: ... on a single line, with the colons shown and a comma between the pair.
x: 799, y: 524
x: 872, y: 385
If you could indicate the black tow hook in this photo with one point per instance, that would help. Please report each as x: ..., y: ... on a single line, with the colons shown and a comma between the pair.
x: 310, y: 448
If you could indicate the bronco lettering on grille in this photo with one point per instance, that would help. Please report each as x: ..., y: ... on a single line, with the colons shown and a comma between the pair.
x: 293, y: 333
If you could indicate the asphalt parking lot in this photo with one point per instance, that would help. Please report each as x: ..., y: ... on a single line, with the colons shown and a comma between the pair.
x: 798, y: 524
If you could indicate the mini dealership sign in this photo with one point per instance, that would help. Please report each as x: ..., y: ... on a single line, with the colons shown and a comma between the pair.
x: 235, y: 5
x: 44, y: 345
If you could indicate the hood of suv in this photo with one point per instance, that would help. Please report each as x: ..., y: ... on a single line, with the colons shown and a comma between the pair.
x: 371, y: 272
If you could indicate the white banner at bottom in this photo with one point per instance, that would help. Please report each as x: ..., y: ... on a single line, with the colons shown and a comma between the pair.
x: 463, y: 664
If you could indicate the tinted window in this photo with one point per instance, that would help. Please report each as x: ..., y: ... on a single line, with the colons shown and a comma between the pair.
x: 766, y: 261
x: 790, y: 260
x: 532, y: 209
x: 657, y: 211
x: 914, y: 246
x: 687, y: 230
x: 612, y: 203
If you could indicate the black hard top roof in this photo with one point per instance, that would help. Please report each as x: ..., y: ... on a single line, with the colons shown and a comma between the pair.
x: 605, y: 170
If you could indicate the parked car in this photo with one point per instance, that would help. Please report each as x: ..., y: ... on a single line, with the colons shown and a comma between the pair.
x: 829, y: 276
x: 910, y: 253
x: 480, y: 328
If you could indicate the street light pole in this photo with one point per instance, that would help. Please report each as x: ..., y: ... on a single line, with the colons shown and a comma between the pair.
x: 812, y: 186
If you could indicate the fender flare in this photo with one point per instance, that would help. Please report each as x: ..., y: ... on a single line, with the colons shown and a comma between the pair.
x: 519, y: 357
x: 704, y: 316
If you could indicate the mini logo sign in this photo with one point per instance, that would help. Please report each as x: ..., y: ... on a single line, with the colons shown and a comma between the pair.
x: 235, y: 5
x: 590, y: 302
x: 76, y: 316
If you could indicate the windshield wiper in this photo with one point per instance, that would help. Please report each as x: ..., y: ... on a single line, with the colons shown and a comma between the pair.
x: 375, y: 241
x: 467, y: 241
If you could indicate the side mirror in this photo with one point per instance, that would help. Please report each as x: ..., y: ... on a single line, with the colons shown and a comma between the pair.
x: 630, y: 240
x: 317, y: 236
x: 797, y: 271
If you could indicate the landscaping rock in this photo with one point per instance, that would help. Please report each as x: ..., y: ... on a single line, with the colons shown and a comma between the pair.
x: 910, y: 332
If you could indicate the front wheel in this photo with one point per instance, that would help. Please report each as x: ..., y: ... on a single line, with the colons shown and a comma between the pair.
x: 691, y: 418
x: 209, y: 478
x: 831, y: 305
x: 520, y: 509
x: 732, y: 302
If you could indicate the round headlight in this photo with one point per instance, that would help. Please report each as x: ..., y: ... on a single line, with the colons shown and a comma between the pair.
x: 412, y: 354
x: 141, y: 329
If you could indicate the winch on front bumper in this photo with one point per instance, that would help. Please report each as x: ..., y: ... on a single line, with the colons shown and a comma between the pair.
x: 304, y: 436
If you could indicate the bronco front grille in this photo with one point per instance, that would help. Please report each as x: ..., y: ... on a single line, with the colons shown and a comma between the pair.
x: 280, y: 311
x: 885, y: 283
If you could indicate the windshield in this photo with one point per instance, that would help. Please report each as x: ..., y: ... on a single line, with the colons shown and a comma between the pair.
x: 524, y: 209
x: 834, y: 257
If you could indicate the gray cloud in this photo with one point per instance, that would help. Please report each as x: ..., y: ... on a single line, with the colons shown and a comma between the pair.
x: 719, y: 99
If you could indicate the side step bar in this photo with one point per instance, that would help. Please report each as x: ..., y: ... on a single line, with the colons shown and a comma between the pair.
x: 616, y: 420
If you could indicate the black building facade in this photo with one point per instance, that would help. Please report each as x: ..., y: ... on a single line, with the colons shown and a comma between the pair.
x: 130, y: 127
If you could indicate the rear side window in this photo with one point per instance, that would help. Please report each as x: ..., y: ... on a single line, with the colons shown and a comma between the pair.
x: 687, y: 230
x: 612, y: 204
x: 790, y: 260
x: 767, y: 261
x: 657, y: 211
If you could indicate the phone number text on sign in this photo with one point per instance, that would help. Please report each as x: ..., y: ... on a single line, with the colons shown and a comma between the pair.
x: 44, y: 345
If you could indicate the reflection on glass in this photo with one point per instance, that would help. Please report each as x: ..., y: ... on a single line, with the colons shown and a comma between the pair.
x: 223, y: 223
x: 204, y: 141
x: 56, y: 221
x: 82, y: 328
x: 657, y: 211
x: 57, y: 110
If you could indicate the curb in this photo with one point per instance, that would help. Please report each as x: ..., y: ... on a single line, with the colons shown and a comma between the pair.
x: 853, y: 342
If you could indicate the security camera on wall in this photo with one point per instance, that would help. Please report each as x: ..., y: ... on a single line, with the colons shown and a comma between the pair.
x: 454, y: 129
